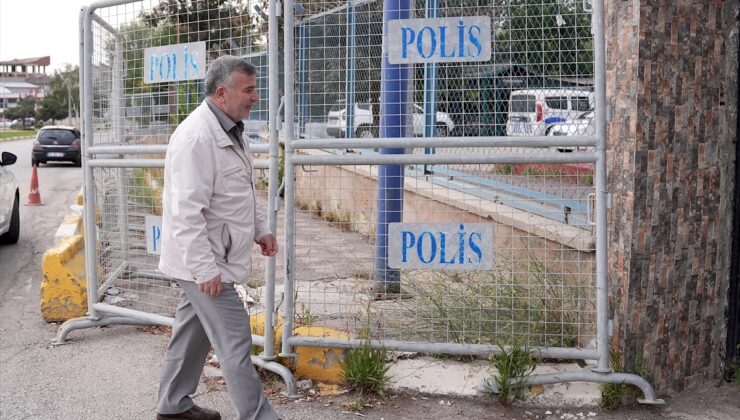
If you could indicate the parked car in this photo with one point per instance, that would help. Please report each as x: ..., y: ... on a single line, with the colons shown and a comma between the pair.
x: 582, y: 125
x: 10, y: 218
x: 57, y: 143
x: 533, y: 112
x: 366, y: 126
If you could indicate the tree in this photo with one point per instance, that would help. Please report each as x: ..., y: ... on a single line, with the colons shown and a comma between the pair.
x: 550, y: 37
x: 26, y: 108
x: 63, y: 90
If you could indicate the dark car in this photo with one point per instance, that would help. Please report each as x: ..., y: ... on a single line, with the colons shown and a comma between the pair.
x: 57, y: 143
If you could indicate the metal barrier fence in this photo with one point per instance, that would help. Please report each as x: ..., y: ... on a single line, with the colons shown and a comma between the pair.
x: 142, y: 68
x: 432, y: 146
x: 508, y: 147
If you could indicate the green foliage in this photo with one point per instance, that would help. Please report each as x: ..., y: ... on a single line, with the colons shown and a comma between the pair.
x: 366, y: 369
x: 26, y: 108
x: 531, y: 35
x: 734, y: 375
x: 504, y: 168
x: 611, y: 394
x: 357, y: 405
x: 305, y: 317
x: 528, y: 300
x: 513, y: 366
x: 64, y: 93
x: 7, y: 134
x: 141, y: 190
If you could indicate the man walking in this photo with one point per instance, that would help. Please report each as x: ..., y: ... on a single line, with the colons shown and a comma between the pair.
x: 210, y: 222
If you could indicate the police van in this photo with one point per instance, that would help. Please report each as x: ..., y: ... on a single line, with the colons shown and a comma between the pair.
x: 533, y: 112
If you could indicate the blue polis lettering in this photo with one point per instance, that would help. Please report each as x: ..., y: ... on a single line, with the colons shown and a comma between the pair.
x: 410, y: 241
x: 156, y: 236
x: 170, y: 72
x: 409, y: 36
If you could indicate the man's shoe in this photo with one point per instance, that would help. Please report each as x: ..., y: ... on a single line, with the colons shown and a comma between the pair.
x: 195, y: 413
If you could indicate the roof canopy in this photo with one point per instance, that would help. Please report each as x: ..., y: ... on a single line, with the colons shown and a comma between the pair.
x: 35, y: 61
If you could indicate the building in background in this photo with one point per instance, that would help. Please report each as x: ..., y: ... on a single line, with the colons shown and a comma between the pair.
x: 20, y: 78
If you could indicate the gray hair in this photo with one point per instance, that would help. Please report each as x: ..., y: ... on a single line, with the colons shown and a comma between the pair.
x: 220, y: 71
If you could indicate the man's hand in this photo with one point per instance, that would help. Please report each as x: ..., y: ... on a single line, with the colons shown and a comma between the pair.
x: 212, y: 287
x: 268, y: 245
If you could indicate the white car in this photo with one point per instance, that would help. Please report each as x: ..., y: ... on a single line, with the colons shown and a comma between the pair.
x: 583, y: 125
x: 533, y: 111
x: 10, y: 219
x: 365, y: 126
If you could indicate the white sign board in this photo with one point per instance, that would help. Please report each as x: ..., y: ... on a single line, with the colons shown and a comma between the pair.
x: 153, y: 234
x: 171, y: 63
x: 441, y: 40
x: 434, y: 246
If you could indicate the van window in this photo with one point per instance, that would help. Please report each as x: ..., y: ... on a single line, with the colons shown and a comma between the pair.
x: 581, y: 103
x: 523, y: 103
x: 557, y: 102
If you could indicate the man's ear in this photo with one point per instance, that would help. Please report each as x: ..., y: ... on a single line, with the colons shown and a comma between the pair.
x: 219, y: 94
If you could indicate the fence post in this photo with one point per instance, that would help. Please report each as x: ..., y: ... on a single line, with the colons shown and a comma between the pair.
x: 289, y: 135
x: 602, y: 296
x: 393, y: 101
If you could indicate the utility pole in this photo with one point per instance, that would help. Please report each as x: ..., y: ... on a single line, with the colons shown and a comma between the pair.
x: 69, y: 102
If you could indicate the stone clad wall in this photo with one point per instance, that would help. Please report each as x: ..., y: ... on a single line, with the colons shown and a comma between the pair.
x: 671, y: 171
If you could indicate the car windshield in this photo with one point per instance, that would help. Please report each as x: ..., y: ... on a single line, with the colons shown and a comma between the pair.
x: 57, y: 134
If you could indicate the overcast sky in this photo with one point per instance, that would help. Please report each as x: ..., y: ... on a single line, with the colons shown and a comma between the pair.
x: 36, y: 28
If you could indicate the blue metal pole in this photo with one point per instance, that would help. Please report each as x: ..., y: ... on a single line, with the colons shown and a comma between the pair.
x: 349, y: 131
x: 430, y: 91
x: 393, y: 104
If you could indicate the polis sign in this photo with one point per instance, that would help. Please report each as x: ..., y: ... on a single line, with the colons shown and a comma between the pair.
x: 441, y: 40
x: 153, y: 235
x: 441, y: 246
x: 176, y: 62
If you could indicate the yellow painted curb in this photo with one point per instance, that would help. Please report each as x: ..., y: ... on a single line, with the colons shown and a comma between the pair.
x: 257, y: 327
x: 64, y: 287
x: 75, y: 219
x: 322, y: 364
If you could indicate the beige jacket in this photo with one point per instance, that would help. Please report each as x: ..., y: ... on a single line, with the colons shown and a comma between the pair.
x: 210, y: 219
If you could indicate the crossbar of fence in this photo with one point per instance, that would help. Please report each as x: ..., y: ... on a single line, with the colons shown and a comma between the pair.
x: 405, y: 159
x: 413, y: 142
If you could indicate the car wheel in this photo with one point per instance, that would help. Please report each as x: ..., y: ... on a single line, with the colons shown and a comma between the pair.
x: 11, y: 236
x: 365, y: 132
x: 78, y: 162
x: 442, y: 130
x: 34, y: 162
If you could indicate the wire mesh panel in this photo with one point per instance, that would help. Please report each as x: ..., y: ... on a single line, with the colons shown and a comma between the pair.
x: 132, y: 104
x: 147, y: 64
x: 540, y: 292
x: 538, y: 82
x: 540, y: 74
